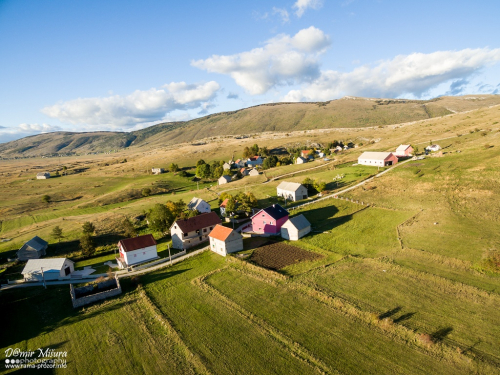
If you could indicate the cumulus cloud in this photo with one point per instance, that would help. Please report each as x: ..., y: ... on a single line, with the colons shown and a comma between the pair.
x: 303, y: 5
x: 23, y: 130
x: 137, y: 107
x: 413, y: 74
x: 283, y: 60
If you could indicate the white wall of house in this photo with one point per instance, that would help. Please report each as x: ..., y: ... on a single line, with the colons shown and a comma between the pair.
x: 52, y: 274
x: 297, y: 195
x: 289, y: 232
x: 139, y: 255
x: 376, y: 163
x: 203, y: 207
x: 184, y: 241
x: 233, y: 243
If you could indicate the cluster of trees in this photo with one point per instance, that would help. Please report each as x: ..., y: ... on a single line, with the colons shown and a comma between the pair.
x: 255, y: 150
x: 242, y: 202
x: 274, y: 161
x: 314, y: 185
x: 162, y: 216
x: 207, y: 171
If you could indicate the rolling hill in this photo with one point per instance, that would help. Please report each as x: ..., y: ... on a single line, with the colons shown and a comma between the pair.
x: 348, y: 112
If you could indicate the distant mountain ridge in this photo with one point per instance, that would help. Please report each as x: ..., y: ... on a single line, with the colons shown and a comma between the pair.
x: 347, y: 112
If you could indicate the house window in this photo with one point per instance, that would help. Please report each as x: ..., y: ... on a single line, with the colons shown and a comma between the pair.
x: 204, y: 230
x: 175, y: 226
x: 211, y: 228
x: 185, y: 234
x: 263, y: 215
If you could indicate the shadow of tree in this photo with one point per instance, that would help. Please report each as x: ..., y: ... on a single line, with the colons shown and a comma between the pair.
x: 441, y: 334
x: 390, y: 312
x: 404, y: 317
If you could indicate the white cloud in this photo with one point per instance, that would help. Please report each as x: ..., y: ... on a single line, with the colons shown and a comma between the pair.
x: 302, y: 5
x: 138, y: 107
x: 283, y: 13
x: 283, y: 60
x: 413, y: 74
x: 23, y: 130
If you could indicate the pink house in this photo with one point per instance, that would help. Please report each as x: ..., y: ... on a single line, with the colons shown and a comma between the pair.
x: 404, y: 151
x: 269, y: 220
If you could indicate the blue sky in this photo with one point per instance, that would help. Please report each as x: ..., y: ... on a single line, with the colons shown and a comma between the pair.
x: 124, y: 65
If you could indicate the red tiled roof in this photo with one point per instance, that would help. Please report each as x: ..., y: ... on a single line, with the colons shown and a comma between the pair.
x: 223, y: 204
x: 242, y: 170
x: 305, y: 152
x: 198, y: 222
x: 220, y: 232
x: 136, y: 243
x: 253, y: 158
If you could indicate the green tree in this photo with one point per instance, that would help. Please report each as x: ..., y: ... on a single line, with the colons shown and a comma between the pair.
x: 200, y: 162
x: 146, y: 192
x: 176, y: 208
x: 255, y: 149
x: 270, y: 162
x: 246, y: 201
x: 128, y: 228
x: 203, y: 171
x: 264, y: 151
x: 57, y: 173
x: 46, y: 199
x: 87, y: 245
x: 216, y: 170
x: 319, y: 186
x: 160, y: 218
x: 223, y: 196
x: 189, y: 213
x: 173, y: 167
x: 57, y: 233
x: 88, y: 228
x: 65, y: 170
x: 247, y: 153
x: 230, y: 206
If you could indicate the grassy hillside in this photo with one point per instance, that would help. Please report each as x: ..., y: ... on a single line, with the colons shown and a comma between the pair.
x: 349, y: 112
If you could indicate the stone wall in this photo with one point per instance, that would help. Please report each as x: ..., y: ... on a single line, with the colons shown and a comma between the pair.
x: 82, y: 301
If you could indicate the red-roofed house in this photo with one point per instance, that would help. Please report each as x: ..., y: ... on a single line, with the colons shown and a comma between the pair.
x: 254, y: 161
x: 224, y: 240
x: 306, y: 153
x: 136, y: 250
x: 187, y: 233
x: 244, y: 171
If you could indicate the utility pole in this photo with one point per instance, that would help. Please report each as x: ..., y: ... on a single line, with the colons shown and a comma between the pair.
x: 169, y: 256
x: 43, y: 278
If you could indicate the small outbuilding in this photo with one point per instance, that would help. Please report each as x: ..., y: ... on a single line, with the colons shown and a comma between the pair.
x: 224, y: 180
x: 226, y: 166
x: 300, y: 160
x: 136, y: 250
x: 292, y: 191
x: 199, y: 205
x: 42, y: 175
x: 157, y: 170
x: 295, y: 228
x: 433, y: 148
x: 404, y: 151
x: 48, y: 269
x: 33, y: 249
x: 253, y: 172
x: 377, y: 159
x: 224, y: 240
x: 244, y: 172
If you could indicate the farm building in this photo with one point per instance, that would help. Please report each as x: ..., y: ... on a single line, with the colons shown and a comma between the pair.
x: 292, y: 191
x: 225, y: 240
x: 48, y: 269
x: 295, y: 228
x: 377, y: 159
x: 33, y: 249
x: 199, y: 204
x: 321, y: 154
x: 224, y: 180
x: 136, y: 250
x: 226, y: 166
x: 187, y: 233
x: 306, y: 153
x: 433, y: 148
x: 157, y: 170
x: 42, y: 175
x: 254, y: 161
x: 253, y: 172
x: 300, y: 160
x: 404, y: 151
x: 222, y: 206
x: 244, y: 172
x: 269, y: 220
x: 240, y: 163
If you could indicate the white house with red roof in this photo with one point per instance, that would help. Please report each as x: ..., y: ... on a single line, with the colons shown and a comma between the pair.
x: 404, y: 151
x: 224, y: 240
x: 136, y: 250
x: 244, y: 172
x: 187, y: 233
x: 254, y: 161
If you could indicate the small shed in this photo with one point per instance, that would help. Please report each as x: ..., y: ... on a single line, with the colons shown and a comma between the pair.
x: 33, y: 249
x: 300, y: 160
x: 433, y: 148
x: 199, y: 204
x: 226, y: 166
x: 48, y: 269
x: 377, y: 159
x: 224, y: 240
x: 295, y: 228
x: 253, y: 172
x: 42, y: 175
x: 224, y: 180
x: 157, y: 170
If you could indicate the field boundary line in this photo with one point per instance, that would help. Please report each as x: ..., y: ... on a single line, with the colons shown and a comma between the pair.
x: 294, y: 348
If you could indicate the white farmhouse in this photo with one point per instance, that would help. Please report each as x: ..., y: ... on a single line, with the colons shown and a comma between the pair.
x: 199, y: 204
x: 187, y: 233
x: 48, y: 269
x: 226, y: 166
x: 404, y: 151
x: 295, y: 228
x: 300, y: 160
x: 225, y: 240
x: 224, y: 180
x: 292, y: 191
x: 42, y: 175
x: 136, y: 250
x: 254, y: 161
x: 253, y: 172
x: 377, y: 159
x: 433, y: 148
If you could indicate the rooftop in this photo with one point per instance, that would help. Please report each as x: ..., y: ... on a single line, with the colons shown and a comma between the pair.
x: 139, y: 242
x: 375, y: 155
x: 198, y: 222
x: 220, y: 232
x: 289, y: 186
